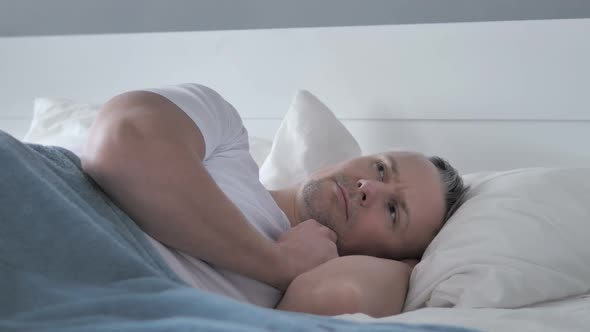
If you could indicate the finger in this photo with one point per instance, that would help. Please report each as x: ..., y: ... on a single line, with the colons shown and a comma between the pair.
x: 311, y: 222
x: 336, y: 253
x: 330, y: 234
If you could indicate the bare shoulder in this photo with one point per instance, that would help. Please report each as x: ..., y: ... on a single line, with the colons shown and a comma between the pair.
x: 146, y: 110
x: 359, y: 264
x: 140, y: 115
x: 374, y: 286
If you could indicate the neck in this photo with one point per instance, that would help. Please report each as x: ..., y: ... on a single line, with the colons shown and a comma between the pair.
x: 286, y: 199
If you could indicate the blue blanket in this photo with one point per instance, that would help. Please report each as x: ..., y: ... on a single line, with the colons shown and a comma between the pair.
x: 71, y: 260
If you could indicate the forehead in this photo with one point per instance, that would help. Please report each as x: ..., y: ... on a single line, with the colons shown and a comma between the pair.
x: 421, y: 188
x: 414, y: 172
x: 410, y: 164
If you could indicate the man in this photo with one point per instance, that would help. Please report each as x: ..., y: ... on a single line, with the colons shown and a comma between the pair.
x: 176, y: 160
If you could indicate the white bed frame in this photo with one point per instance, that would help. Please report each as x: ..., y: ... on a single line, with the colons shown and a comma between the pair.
x: 488, y: 96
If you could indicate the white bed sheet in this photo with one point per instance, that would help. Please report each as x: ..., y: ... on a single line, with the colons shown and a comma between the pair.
x: 572, y: 315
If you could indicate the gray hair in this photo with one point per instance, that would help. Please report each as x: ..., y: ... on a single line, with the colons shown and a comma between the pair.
x: 453, y: 184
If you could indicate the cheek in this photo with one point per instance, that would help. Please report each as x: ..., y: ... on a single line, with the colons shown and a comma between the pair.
x: 367, y: 236
x: 370, y: 222
x: 327, y: 172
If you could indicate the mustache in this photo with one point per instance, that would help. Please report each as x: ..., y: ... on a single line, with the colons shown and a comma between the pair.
x: 349, y: 185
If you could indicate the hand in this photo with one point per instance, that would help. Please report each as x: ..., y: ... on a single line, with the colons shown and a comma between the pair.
x: 304, y: 247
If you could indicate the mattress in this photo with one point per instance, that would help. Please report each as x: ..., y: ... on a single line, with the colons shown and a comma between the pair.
x: 572, y: 314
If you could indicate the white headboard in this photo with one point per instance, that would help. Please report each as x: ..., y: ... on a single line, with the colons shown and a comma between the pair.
x: 487, y: 95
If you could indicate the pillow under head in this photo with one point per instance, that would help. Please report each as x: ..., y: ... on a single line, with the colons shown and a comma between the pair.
x: 520, y: 238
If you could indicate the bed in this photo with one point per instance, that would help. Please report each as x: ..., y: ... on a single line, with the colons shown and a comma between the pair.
x: 505, y: 102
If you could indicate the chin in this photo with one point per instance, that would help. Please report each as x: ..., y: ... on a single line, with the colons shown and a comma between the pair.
x: 315, y: 198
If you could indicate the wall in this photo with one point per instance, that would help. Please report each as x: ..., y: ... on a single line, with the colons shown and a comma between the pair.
x: 487, y: 95
x: 53, y: 17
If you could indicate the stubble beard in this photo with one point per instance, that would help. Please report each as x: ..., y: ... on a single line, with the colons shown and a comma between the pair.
x: 312, y: 199
x: 311, y: 196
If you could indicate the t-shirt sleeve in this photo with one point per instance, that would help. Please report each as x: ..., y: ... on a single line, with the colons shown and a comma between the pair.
x: 219, y: 122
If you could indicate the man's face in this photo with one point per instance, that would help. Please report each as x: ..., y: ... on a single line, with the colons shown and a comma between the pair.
x: 386, y: 205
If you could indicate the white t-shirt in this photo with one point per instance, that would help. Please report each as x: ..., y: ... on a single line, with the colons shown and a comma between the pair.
x: 228, y: 161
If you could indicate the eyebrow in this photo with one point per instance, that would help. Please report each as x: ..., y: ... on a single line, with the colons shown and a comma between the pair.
x: 395, y: 172
x: 393, y: 164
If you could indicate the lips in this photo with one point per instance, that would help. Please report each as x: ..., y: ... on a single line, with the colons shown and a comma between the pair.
x: 344, y: 197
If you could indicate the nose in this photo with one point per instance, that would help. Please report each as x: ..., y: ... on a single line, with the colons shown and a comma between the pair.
x: 369, y: 191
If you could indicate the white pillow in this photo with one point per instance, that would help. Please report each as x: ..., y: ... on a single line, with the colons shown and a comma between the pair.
x: 61, y: 122
x: 309, y: 138
x: 66, y: 123
x: 522, y: 237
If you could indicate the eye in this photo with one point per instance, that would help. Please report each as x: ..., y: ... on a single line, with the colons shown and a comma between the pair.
x: 393, y: 212
x: 381, y: 170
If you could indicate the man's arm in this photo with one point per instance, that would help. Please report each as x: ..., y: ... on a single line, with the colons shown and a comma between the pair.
x: 350, y: 284
x: 147, y: 156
